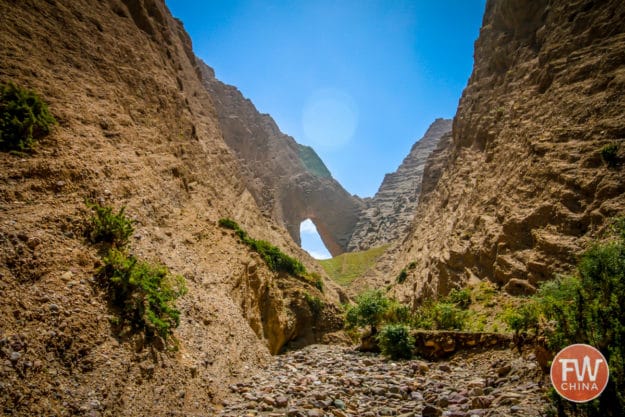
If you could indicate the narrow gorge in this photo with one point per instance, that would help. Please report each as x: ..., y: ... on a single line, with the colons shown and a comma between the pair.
x: 150, y: 248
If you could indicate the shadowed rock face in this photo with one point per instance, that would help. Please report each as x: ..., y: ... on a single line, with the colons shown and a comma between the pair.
x: 288, y: 180
x: 522, y: 185
x: 389, y: 213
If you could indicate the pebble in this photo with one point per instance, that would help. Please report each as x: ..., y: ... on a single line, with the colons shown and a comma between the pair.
x: 335, y: 381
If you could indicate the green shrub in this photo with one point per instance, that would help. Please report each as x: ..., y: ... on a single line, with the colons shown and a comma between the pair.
x: 448, y: 316
x: 395, y: 341
x: 108, y: 227
x: 24, y: 118
x: 145, y: 293
x: 315, y: 303
x: 369, y: 310
x: 441, y: 315
x: 275, y: 259
x: 228, y: 224
x: 461, y: 298
x: 396, y: 312
x: 609, y: 154
x: 316, y: 280
x: 590, y: 308
x: 523, y: 319
x: 401, y: 278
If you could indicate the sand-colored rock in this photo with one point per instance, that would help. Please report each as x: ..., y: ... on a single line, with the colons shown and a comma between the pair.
x: 136, y: 128
x: 389, y: 214
x: 288, y: 180
x: 522, y: 186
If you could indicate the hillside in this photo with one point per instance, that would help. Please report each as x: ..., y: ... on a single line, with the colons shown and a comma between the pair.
x: 388, y: 215
x: 137, y: 128
x: 528, y: 176
x: 289, y: 181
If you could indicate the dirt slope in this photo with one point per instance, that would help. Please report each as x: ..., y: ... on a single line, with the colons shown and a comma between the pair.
x: 136, y: 128
x: 288, y: 180
x: 523, y: 185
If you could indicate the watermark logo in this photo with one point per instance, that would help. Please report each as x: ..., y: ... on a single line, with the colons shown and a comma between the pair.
x: 579, y: 373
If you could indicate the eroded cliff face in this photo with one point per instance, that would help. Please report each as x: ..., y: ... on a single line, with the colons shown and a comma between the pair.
x: 288, y: 180
x: 136, y: 128
x: 389, y: 214
x: 523, y: 185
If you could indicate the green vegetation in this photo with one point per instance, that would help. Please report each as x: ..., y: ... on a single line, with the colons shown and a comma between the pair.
x: 346, y: 267
x: 275, y: 259
x: 401, y: 278
x: 24, y: 118
x: 369, y: 310
x: 460, y: 298
x: 315, y: 303
x: 609, y: 154
x: 395, y: 341
x: 587, y: 307
x: 312, y: 162
x: 109, y: 227
x: 144, y: 292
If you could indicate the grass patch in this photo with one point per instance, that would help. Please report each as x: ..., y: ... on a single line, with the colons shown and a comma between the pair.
x: 105, y: 226
x: 144, y: 293
x: 24, y: 118
x: 346, y: 267
x: 275, y: 259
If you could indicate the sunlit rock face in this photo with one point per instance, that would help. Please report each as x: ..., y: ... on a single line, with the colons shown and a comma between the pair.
x: 389, y: 213
x: 288, y: 181
x: 523, y: 186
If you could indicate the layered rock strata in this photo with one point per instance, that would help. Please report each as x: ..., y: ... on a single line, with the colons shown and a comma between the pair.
x: 535, y: 165
x: 389, y: 213
x: 137, y: 128
x: 288, y: 180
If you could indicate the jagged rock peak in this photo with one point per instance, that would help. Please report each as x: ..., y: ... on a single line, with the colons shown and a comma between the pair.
x: 289, y: 181
x: 390, y: 212
x: 523, y: 185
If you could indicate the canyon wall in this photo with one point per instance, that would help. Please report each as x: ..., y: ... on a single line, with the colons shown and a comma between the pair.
x: 137, y: 128
x: 534, y: 167
x: 288, y: 180
x: 389, y: 214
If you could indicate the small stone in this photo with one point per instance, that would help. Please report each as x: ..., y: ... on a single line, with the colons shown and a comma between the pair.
x: 515, y: 409
x: 442, y: 402
x: 315, y: 412
x: 444, y: 367
x: 339, y: 404
x: 431, y: 411
x: 294, y: 412
x: 54, y: 308
x: 282, y: 401
x: 15, y: 356
x: 33, y: 242
x: 504, y: 370
x: 269, y: 400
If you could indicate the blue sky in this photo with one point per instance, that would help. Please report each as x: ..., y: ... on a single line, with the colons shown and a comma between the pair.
x: 358, y: 80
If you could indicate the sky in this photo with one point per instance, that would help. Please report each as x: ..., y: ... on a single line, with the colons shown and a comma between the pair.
x: 358, y: 80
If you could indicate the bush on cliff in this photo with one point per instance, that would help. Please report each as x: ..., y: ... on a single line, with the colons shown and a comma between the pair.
x: 24, y: 118
x: 275, y: 259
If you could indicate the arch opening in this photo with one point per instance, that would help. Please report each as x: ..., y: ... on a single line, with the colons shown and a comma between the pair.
x: 311, y: 241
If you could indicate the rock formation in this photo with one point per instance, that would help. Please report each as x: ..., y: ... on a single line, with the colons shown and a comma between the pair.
x: 137, y: 128
x: 288, y: 180
x: 389, y: 213
x: 535, y: 165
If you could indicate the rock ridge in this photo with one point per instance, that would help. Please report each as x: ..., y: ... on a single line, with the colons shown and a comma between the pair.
x: 388, y: 215
x: 522, y: 185
x: 288, y: 180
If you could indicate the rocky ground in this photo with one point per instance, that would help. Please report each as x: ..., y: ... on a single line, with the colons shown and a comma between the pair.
x: 337, y: 381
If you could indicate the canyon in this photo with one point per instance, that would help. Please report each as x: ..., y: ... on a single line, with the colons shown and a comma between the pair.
x: 510, y: 192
